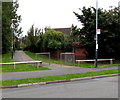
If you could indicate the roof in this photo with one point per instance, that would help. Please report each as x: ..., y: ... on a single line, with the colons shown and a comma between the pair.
x: 66, y: 31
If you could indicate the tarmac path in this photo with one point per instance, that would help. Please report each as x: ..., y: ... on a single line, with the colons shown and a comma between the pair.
x: 56, y: 69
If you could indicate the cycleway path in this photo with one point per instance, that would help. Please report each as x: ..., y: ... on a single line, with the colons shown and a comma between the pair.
x: 56, y: 69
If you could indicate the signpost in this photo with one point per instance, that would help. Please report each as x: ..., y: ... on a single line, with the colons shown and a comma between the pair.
x: 97, y: 32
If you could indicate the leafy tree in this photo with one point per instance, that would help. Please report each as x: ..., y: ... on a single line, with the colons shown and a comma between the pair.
x: 16, y: 19
x: 6, y: 26
x: 24, y: 41
x: 10, y: 24
x: 67, y: 45
x: 108, y: 22
x: 33, y: 39
x: 53, y: 40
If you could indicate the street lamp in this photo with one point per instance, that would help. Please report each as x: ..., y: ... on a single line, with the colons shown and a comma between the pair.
x: 96, y: 51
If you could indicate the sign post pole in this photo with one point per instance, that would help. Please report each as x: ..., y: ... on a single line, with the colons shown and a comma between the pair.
x: 96, y: 51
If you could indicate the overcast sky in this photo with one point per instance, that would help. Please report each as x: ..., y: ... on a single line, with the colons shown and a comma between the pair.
x: 55, y: 13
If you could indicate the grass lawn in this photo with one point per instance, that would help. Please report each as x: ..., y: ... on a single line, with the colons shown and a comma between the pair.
x: 6, y: 58
x: 19, y: 68
x: 41, y: 58
x: 86, y: 65
x: 58, y: 77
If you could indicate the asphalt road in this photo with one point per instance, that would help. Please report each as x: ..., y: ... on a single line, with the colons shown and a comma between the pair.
x: 56, y: 71
x: 94, y: 88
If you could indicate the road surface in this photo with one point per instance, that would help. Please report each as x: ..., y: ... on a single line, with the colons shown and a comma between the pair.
x: 94, y: 88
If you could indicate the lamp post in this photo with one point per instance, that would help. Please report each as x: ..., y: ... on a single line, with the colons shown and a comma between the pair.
x: 96, y: 51
x: 12, y: 51
x: 12, y: 44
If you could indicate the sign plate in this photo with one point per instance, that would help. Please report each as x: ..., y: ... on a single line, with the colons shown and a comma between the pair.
x: 98, y: 31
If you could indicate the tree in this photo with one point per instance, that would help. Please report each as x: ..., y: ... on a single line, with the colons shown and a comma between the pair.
x: 33, y: 39
x: 16, y: 19
x: 6, y: 26
x: 69, y: 39
x: 10, y: 24
x: 108, y: 22
x: 53, y: 40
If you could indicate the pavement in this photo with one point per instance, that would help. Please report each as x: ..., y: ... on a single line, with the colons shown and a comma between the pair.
x: 56, y: 69
x: 21, y: 56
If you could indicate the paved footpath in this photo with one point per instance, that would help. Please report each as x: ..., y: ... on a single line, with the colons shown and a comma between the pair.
x: 56, y: 69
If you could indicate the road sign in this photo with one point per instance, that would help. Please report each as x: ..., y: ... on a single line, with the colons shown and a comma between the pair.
x: 98, y: 31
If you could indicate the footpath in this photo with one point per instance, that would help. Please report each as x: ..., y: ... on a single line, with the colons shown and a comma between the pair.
x: 56, y: 69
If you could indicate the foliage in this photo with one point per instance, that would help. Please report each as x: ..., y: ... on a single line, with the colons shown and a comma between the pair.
x: 37, y: 41
x: 16, y: 19
x: 32, y: 40
x: 53, y: 40
x: 108, y: 22
x: 6, y: 26
x: 76, y: 44
x: 10, y: 24
x: 75, y: 34
x: 68, y: 45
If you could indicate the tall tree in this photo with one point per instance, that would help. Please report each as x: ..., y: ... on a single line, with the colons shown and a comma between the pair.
x: 108, y: 22
x: 6, y: 26
x: 33, y: 38
x: 10, y: 24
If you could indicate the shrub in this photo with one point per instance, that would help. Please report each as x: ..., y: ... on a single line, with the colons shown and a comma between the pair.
x: 53, y: 40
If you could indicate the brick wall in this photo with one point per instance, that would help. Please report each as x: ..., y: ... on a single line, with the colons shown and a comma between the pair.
x: 80, y: 52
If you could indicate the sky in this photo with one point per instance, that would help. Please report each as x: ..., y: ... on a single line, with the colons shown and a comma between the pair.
x: 55, y: 13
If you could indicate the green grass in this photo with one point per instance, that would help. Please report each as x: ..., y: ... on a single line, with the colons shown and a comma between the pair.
x: 85, y: 65
x: 58, y: 77
x: 41, y: 58
x: 6, y: 58
x: 20, y: 67
x: 100, y: 65
x: 117, y: 62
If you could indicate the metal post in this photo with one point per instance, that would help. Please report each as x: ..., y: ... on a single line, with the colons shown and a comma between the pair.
x: 12, y: 51
x: 36, y: 56
x: 49, y: 58
x: 61, y: 59
x: 12, y: 44
x: 96, y: 52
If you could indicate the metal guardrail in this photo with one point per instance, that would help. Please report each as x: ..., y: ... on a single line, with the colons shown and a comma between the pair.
x: 44, y: 53
x: 37, y: 63
x: 90, y: 60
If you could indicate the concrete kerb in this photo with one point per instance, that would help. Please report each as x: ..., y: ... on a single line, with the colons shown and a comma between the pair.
x: 56, y: 81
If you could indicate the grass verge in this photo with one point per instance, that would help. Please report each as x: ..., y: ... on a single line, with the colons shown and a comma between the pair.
x: 85, y: 65
x: 58, y: 77
x: 6, y: 58
x: 41, y: 58
x: 20, y: 67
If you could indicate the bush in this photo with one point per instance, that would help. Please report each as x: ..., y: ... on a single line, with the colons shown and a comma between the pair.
x: 53, y: 40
